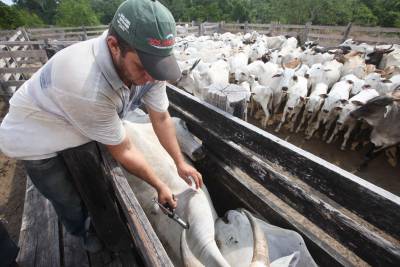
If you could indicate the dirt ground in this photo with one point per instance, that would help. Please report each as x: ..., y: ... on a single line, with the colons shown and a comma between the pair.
x: 12, y: 190
x: 378, y: 172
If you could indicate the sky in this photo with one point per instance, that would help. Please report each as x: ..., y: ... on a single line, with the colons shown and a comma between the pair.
x: 8, y: 2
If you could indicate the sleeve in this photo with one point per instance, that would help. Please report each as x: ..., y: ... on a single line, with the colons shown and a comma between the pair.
x: 156, y: 98
x: 95, y: 118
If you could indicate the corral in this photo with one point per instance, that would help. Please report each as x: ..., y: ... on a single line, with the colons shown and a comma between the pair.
x: 344, y: 220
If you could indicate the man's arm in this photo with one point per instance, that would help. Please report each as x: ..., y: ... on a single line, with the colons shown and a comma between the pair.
x: 165, y: 131
x: 134, y: 162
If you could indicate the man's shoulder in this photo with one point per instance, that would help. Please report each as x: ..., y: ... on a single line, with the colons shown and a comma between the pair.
x: 75, y: 71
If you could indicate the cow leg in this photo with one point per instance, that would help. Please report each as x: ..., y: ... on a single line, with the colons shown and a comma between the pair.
x: 278, y: 128
x: 293, y: 121
x: 346, y: 136
x: 370, y: 155
x: 391, y: 154
x: 267, y: 115
x: 303, y: 119
x: 327, y: 128
x: 334, y: 133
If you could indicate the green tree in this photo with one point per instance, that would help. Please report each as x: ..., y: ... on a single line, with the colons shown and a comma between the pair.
x: 105, y: 9
x: 45, y: 9
x: 12, y: 17
x: 76, y: 13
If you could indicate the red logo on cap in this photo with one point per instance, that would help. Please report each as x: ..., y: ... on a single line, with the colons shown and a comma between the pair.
x: 161, y: 43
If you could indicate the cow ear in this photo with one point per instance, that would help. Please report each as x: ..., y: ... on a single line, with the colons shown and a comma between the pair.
x: 357, y: 103
x: 323, y: 95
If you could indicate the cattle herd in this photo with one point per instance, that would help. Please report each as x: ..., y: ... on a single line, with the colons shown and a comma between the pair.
x: 352, y: 89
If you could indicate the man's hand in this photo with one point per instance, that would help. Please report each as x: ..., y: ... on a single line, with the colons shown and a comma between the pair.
x: 185, y: 170
x: 165, y: 196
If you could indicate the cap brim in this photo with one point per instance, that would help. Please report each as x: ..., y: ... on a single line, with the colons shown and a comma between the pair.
x: 160, y: 68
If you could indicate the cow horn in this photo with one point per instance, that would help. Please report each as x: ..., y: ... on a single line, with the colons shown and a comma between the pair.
x: 260, y: 243
x: 195, y: 64
x: 389, y: 48
x: 299, y: 66
x: 189, y: 260
x: 282, y: 65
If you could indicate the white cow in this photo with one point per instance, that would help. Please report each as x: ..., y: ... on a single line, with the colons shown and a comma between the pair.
x: 313, y: 105
x: 262, y: 95
x: 197, y: 246
x: 334, y: 101
x: 345, y: 120
x: 296, y: 99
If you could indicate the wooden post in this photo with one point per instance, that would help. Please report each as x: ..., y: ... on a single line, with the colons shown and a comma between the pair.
x: 201, y: 29
x: 272, y: 28
x: 304, y: 38
x: 246, y: 26
x: 221, y: 26
x: 84, y: 36
x: 347, y: 32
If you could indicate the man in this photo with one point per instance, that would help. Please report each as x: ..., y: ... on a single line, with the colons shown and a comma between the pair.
x: 82, y: 93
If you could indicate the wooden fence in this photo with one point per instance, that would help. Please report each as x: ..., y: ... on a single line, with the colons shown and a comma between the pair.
x: 325, y: 35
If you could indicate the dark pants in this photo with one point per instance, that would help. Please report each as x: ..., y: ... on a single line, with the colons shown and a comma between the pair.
x: 52, y: 178
x: 8, y: 249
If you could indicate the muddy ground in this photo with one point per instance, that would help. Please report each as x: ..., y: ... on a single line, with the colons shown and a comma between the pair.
x: 378, y: 172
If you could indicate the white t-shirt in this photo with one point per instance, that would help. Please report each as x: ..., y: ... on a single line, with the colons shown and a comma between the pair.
x: 74, y: 98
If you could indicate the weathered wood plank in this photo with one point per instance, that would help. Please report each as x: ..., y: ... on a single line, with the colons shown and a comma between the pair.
x: 344, y: 226
x: 72, y: 251
x: 39, y: 240
x: 146, y: 241
x: 375, y: 205
x: 12, y: 83
x: 227, y: 182
x: 19, y: 70
x: 24, y: 53
x: 84, y: 164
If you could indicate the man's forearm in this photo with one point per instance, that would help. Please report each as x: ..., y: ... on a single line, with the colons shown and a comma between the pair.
x: 165, y: 131
x: 134, y: 162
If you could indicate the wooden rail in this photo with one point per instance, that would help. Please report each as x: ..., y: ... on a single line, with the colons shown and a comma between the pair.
x: 359, y: 215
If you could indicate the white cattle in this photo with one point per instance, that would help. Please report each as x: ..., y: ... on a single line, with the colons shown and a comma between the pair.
x: 257, y: 50
x: 275, y: 42
x: 218, y: 73
x: 263, y: 72
x: 328, y: 73
x: 357, y: 83
x: 194, y: 206
x: 345, y: 120
x: 313, y: 105
x: 333, y: 103
x: 383, y: 86
x: 235, y: 237
x: 262, y: 95
x: 296, y: 98
x: 237, y: 61
x: 354, y: 63
x: 281, y: 81
x: 391, y: 59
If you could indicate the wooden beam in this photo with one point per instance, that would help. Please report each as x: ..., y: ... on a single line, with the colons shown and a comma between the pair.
x: 84, y: 164
x: 344, y: 226
x: 373, y: 204
x: 228, y: 182
x: 23, y: 53
x: 38, y: 240
x: 146, y: 240
x: 19, y: 70
x: 72, y: 250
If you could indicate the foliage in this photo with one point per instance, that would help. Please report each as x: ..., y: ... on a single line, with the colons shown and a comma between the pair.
x: 76, y: 13
x: 12, y: 17
x: 385, y: 13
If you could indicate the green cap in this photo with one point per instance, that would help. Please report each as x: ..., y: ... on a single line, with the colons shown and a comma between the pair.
x: 149, y: 27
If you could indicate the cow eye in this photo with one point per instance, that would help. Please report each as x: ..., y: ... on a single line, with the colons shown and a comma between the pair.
x: 295, y: 78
